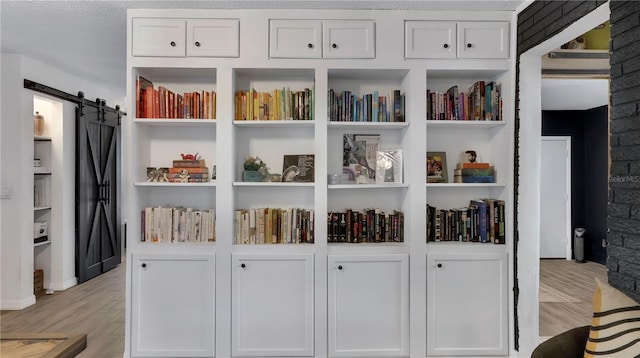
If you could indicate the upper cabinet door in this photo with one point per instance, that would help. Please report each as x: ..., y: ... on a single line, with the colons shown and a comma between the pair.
x: 348, y: 39
x: 158, y: 37
x: 430, y: 39
x: 483, y: 40
x: 295, y: 39
x: 213, y: 37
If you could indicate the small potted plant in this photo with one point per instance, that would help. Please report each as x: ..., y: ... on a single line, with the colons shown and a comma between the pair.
x: 257, y: 170
x: 254, y: 169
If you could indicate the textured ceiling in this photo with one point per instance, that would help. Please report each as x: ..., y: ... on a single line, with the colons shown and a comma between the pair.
x: 88, y: 38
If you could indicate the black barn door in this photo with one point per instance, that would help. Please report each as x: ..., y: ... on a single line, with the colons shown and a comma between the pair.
x: 98, y: 242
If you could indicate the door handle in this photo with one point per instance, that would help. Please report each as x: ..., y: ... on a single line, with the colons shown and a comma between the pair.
x: 108, y: 191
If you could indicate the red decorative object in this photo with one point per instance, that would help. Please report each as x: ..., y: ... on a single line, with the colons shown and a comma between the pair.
x: 189, y: 156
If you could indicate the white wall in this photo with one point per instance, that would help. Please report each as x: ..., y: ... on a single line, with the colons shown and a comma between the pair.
x: 16, y: 141
x: 574, y: 94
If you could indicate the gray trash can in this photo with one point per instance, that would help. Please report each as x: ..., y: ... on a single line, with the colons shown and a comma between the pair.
x: 578, y: 244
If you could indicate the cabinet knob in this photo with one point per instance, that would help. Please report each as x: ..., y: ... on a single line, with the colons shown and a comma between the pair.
x: 339, y: 267
x: 439, y: 265
x: 334, y: 45
x: 243, y: 265
x: 197, y: 44
x: 143, y: 265
x: 468, y: 45
x: 173, y: 44
x: 310, y: 45
x: 446, y: 46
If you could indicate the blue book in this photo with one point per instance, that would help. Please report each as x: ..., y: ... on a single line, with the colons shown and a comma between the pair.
x: 478, y: 179
x: 374, y: 107
x: 488, y: 102
x: 482, y: 219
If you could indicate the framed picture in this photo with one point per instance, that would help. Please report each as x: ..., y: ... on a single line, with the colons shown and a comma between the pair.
x: 437, y: 167
x: 389, y: 166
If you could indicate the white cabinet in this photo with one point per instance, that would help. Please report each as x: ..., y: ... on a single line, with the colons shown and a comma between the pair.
x: 321, y: 39
x: 467, y: 308
x: 295, y: 39
x: 430, y: 39
x: 483, y: 39
x: 173, y: 305
x: 348, y: 39
x: 368, y: 300
x: 272, y: 305
x: 158, y: 37
x: 213, y: 38
x: 447, y: 39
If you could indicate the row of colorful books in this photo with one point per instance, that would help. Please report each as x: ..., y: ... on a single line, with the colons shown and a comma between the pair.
x: 273, y: 226
x: 367, y: 225
x: 279, y: 104
x: 164, y: 103
x: 177, y: 224
x: 349, y: 107
x: 483, y: 220
x: 482, y: 102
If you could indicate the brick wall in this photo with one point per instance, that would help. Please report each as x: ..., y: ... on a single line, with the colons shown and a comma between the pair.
x: 623, y: 250
x: 544, y: 19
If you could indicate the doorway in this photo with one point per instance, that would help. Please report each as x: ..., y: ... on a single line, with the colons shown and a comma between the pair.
x: 529, y: 180
x: 555, y: 198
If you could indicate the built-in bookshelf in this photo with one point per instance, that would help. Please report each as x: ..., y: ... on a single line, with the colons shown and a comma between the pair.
x: 355, y: 231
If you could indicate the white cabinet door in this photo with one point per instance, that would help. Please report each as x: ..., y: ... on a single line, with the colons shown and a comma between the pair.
x: 213, y: 37
x: 158, y: 37
x: 467, y: 308
x: 483, y: 39
x: 295, y: 39
x: 272, y: 305
x: 173, y: 305
x: 368, y: 300
x: 348, y: 39
x: 430, y: 39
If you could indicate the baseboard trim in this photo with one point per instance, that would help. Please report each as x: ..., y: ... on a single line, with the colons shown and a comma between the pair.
x: 16, y: 305
x: 61, y: 286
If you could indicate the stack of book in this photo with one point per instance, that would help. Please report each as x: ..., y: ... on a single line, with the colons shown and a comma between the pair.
x: 278, y: 104
x: 483, y: 220
x: 177, y: 224
x: 482, y: 102
x: 273, y: 226
x: 474, y: 173
x: 164, y: 103
x: 367, y: 225
x: 346, y: 106
x: 188, y: 171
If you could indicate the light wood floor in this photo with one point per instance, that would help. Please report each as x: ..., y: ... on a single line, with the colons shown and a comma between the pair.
x: 97, y: 306
x: 566, y: 292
